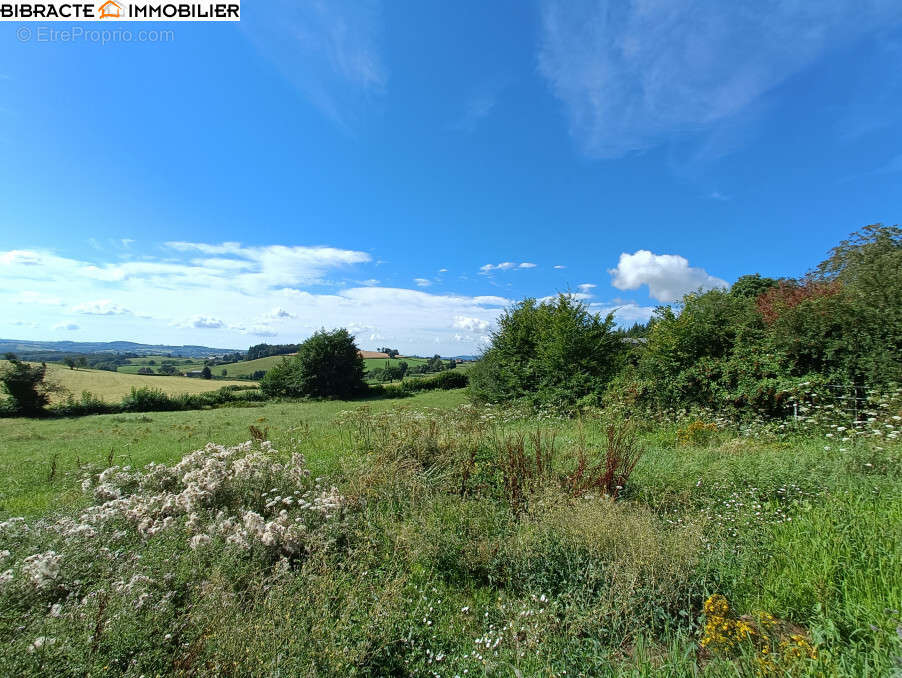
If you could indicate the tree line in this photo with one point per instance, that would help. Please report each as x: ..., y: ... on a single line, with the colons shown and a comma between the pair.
x: 744, y: 348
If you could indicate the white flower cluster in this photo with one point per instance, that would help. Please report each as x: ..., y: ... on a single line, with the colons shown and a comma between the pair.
x: 42, y: 569
x: 227, y: 480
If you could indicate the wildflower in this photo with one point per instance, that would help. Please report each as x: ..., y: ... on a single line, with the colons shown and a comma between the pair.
x: 39, y: 643
x: 42, y: 568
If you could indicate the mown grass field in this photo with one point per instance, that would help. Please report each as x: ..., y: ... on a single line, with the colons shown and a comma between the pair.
x: 113, y: 386
x: 442, y: 551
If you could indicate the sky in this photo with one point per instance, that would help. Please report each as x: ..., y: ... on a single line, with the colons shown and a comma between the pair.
x: 409, y: 169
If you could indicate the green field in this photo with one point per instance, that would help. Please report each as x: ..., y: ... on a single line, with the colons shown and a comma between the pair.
x: 244, y: 369
x: 453, y: 546
x: 113, y: 386
x: 155, y: 361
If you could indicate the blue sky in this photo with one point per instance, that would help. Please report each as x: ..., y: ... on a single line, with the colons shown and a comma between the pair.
x: 407, y: 169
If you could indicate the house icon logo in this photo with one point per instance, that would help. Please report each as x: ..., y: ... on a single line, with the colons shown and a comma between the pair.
x: 110, y: 10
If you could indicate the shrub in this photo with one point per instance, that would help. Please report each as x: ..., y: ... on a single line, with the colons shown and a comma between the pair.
x: 613, y: 467
x: 553, y: 352
x: 27, y: 386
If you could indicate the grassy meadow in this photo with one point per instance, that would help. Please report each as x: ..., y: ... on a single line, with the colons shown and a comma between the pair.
x: 426, y: 537
x: 113, y: 386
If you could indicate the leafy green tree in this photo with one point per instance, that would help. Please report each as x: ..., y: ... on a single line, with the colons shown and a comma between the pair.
x: 551, y: 352
x: 224, y: 372
x: 27, y: 386
x: 752, y: 285
x: 328, y: 365
x: 206, y: 373
x: 69, y: 362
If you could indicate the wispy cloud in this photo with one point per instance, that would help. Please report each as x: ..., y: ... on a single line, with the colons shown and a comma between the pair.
x: 422, y: 282
x: 505, y: 266
x: 329, y: 50
x: 633, y: 75
x: 101, y: 307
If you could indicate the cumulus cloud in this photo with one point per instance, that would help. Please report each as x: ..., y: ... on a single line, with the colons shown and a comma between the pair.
x: 632, y: 74
x: 469, y: 324
x: 101, y: 307
x: 668, y: 276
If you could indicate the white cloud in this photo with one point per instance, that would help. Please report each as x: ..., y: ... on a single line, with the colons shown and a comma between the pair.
x: 70, y: 327
x: 505, y: 266
x: 181, y: 301
x: 443, y: 270
x: 205, y: 322
x: 668, y: 276
x: 559, y: 267
x: 469, y: 324
x: 422, y: 282
x: 587, y: 287
x: 624, y: 314
x: 633, y: 74
x: 101, y: 307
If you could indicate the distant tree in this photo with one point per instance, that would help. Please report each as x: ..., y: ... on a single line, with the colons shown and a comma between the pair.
x: 145, y: 370
x: 151, y: 362
x: 224, y: 372
x: 167, y: 369
x: 258, y: 375
x: 69, y: 362
x: 206, y: 373
x: 26, y: 386
x: 328, y: 365
x: 82, y: 361
x: 402, y: 369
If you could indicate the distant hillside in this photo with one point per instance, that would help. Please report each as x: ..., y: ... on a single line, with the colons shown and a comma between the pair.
x: 23, y: 346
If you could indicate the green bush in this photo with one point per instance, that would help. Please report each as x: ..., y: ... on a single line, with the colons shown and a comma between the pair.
x: 554, y: 352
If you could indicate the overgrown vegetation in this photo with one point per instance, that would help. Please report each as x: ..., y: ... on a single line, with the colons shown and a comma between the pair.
x: 744, y: 350
x: 464, y: 542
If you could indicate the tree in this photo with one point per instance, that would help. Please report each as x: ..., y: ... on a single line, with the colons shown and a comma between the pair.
x: 752, y: 285
x: 225, y: 372
x: 27, y: 386
x: 206, y: 373
x: 82, y: 362
x: 69, y: 362
x: 550, y: 352
x: 167, y: 369
x: 328, y: 365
